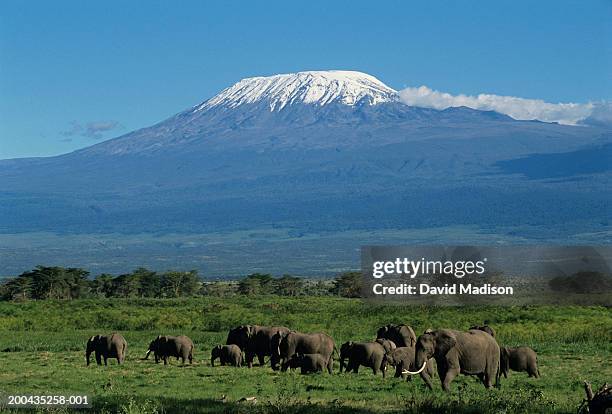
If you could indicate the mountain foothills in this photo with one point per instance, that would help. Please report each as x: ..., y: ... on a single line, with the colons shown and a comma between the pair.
x: 314, y: 152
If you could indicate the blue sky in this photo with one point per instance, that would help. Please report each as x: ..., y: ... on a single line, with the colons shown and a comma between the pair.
x: 73, y: 73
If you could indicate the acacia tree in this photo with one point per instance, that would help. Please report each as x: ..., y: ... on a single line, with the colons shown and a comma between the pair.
x: 256, y: 284
x: 176, y: 284
x: 288, y: 286
x: 18, y: 288
x: 348, y: 285
x: 57, y: 282
x: 149, y: 281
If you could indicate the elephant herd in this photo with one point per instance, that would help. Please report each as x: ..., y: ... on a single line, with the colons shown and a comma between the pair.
x: 445, y: 351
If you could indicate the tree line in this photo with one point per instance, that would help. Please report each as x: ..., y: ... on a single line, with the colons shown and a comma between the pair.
x: 53, y: 282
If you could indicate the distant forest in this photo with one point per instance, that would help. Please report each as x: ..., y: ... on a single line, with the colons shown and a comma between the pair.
x: 74, y: 283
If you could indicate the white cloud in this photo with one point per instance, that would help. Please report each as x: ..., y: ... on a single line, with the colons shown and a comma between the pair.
x: 517, y: 108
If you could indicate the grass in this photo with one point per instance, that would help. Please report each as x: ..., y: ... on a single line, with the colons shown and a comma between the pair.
x: 44, y: 344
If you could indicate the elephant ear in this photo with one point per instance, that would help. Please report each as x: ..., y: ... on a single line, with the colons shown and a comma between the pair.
x: 444, y: 342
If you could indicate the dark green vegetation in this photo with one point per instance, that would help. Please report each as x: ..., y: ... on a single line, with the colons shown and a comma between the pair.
x: 43, y: 352
x: 45, y: 282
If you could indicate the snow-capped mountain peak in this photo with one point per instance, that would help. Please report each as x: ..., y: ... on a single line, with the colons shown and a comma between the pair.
x: 312, y: 87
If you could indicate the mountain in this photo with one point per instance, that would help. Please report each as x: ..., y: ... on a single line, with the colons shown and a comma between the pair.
x: 320, y: 152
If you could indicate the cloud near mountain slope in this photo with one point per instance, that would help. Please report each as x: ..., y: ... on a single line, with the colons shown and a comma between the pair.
x: 517, y: 108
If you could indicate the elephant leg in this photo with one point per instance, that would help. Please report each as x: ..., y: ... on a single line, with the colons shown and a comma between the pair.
x: 165, y: 360
x: 249, y: 358
x: 487, y: 380
x: 105, y: 360
x: 426, y: 378
x: 98, y: 358
x: 330, y: 365
x: 262, y: 359
x: 448, y: 378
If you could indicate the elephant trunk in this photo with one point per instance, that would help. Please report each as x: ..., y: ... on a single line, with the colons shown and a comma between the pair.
x: 341, y: 364
x: 406, y: 371
x: 87, y: 355
x: 212, y: 361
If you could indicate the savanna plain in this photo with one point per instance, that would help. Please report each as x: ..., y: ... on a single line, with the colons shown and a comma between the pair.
x: 42, y: 346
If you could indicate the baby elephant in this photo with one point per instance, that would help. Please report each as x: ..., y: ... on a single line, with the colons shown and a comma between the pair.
x: 403, y: 358
x: 519, y: 359
x: 227, y: 354
x: 171, y: 346
x: 308, y: 363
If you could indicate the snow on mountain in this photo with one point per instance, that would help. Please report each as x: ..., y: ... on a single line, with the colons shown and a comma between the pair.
x: 312, y: 87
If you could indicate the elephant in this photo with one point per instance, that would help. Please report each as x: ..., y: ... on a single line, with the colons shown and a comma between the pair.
x: 106, y: 346
x: 403, y: 358
x: 285, y: 345
x: 308, y: 363
x: 227, y: 354
x: 519, y: 359
x: 485, y: 328
x: 471, y: 353
x: 345, y: 349
x: 171, y: 346
x: 254, y: 340
x: 401, y: 335
x: 368, y: 354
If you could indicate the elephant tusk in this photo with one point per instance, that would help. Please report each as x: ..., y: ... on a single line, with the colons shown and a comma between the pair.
x: 415, y: 372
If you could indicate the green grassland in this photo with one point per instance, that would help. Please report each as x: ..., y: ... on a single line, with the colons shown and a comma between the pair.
x: 42, y: 346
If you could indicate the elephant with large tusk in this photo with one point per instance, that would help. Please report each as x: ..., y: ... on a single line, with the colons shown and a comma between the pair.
x: 402, y: 359
x: 407, y: 371
x: 471, y: 353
